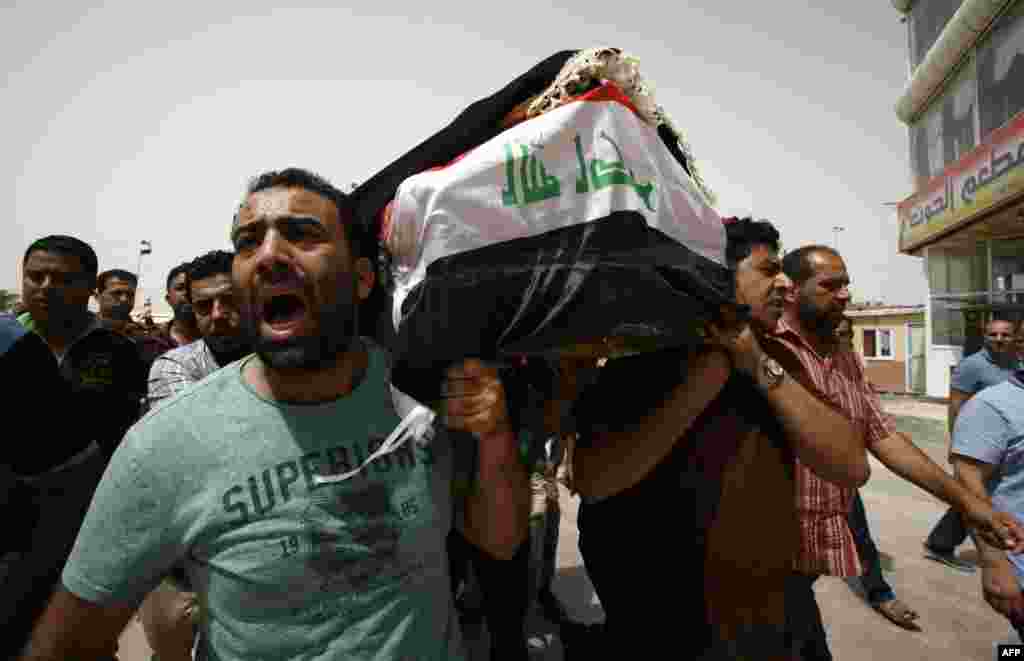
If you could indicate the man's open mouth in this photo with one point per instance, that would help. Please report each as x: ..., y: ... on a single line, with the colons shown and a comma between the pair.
x: 284, y: 311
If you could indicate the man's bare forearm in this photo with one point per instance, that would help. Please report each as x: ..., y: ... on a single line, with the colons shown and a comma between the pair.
x: 498, y: 509
x: 72, y: 628
x: 905, y: 459
x: 990, y: 556
x: 823, y: 439
x: 614, y: 461
x: 972, y: 480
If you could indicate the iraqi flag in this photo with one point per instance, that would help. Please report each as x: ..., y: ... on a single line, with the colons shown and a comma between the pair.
x: 576, y: 232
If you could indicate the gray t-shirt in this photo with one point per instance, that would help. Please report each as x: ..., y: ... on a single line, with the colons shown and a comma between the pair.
x: 224, y: 482
x: 990, y: 428
x: 978, y: 371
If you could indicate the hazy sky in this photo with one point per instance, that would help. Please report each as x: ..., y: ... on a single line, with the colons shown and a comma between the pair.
x: 144, y: 120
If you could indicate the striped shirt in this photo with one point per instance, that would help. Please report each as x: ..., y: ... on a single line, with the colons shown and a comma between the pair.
x: 178, y: 369
x: 826, y: 542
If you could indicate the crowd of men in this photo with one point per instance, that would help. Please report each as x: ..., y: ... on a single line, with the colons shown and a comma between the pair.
x: 245, y: 481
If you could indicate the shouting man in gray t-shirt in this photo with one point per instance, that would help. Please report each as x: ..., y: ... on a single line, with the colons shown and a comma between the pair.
x: 170, y: 613
x: 308, y: 505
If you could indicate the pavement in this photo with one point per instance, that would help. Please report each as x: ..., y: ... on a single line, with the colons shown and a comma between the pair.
x: 902, y: 406
x: 956, y: 623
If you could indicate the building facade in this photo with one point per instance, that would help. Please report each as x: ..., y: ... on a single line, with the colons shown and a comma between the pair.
x: 891, y: 341
x: 965, y: 216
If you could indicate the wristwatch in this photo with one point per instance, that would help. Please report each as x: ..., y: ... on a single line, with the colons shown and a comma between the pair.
x: 770, y: 374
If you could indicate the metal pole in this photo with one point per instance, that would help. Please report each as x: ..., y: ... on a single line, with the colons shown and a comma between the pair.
x: 138, y: 271
x: 138, y: 274
x: 835, y: 234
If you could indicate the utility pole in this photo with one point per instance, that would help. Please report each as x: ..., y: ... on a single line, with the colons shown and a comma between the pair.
x: 145, y: 248
x: 836, y: 229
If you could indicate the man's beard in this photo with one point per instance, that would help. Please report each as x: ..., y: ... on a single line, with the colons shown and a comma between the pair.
x: 226, y: 349
x: 1001, y: 358
x: 119, y: 313
x: 184, y: 314
x: 61, y: 318
x: 816, y: 321
x: 337, y: 328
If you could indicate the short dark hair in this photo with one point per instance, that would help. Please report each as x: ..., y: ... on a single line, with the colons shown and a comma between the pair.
x: 214, y: 262
x: 797, y: 264
x: 742, y: 234
x: 361, y: 240
x: 117, y: 274
x: 68, y: 246
x: 176, y: 271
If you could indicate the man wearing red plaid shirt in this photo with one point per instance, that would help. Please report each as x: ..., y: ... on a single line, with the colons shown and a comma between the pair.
x: 820, y: 295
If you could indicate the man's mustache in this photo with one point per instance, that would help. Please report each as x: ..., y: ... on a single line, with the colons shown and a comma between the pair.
x: 284, y: 277
x: 122, y: 311
x: 184, y: 312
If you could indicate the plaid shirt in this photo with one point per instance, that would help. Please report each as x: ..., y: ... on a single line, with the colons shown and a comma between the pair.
x: 826, y: 542
x: 157, y: 343
x: 178, y: 369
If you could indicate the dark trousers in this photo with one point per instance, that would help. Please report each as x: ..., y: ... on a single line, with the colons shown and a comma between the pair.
x: 634, y: 582
x: 459, y: 557
x: 877, y: 589
x: 949, y: 533
x: 803, y: 619
x: 26, y: 584
x: 543, y: 550
x: 503, y: 586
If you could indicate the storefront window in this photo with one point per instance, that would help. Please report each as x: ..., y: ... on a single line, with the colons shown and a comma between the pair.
x: 926, y: 145
x: 958, y: 269
x: 1008, y: 271
x: 1001, y: 72
x: 946, y: 132
x: 958, y: 320
x: 958, y: 280
x: 926, y: 22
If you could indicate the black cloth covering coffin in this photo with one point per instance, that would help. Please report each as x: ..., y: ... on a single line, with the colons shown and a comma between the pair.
x: 614, y: 276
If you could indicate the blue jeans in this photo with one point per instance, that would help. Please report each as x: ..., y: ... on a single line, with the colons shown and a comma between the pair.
x: 877, y: 589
